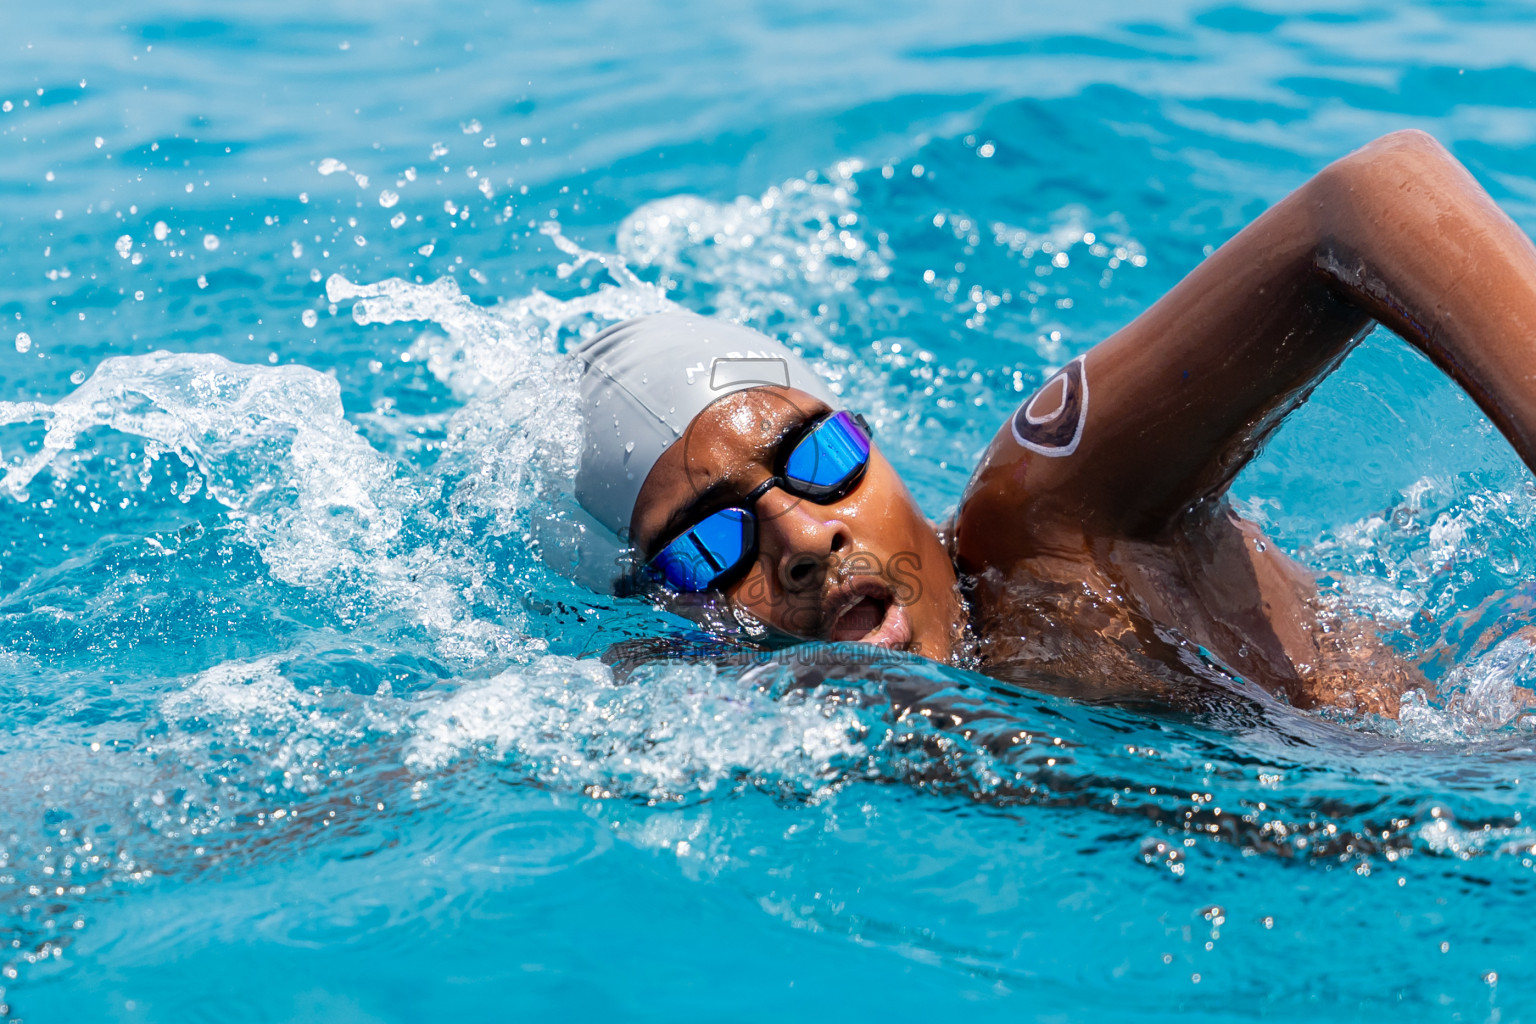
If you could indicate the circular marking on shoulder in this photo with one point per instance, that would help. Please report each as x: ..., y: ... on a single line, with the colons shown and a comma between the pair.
x: 1051, y: 422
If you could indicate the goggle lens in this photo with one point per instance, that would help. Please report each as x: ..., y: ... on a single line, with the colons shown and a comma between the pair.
x: 708, y: 550
x: 829, y: 457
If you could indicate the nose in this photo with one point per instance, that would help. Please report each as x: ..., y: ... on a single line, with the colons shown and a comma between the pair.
x: 799, y: 539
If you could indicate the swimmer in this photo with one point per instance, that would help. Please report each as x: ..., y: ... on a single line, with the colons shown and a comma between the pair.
x: 1093, y: 551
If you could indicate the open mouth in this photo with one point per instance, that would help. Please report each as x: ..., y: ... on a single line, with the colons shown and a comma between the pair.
x: 872, y: 617
x: 862, y: 618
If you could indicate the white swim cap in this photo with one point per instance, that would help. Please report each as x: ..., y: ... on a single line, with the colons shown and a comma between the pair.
x: 643, y: 381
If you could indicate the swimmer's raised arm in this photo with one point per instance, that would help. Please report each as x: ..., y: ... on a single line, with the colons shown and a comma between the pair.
x: 1166, y: 411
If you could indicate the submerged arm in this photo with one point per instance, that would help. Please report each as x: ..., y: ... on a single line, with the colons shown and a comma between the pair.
x: 1178, y: 401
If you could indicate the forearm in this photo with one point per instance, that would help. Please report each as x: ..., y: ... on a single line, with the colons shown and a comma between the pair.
x: 1407, y: 235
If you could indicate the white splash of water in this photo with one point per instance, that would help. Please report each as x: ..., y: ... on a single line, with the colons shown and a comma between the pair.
x: 269, y: 443
x: 765, y: 259
x: 516, y: 439
x: 1417, y: 561
x: 493, y: 348
x: 676, y: 734
x: 1483, y: 697
x: 272, y: 444
x: 260, y: 712
x: 325, y: 509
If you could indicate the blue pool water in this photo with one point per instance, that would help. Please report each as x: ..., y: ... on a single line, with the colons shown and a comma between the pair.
x: 303, y: 717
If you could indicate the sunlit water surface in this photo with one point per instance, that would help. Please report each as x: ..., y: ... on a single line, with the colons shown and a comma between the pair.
x: 303, y: 715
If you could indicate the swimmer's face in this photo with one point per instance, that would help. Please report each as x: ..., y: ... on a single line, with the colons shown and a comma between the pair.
x: 864, y: 567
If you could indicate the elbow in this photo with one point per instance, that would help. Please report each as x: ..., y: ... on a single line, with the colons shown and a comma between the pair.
x: 1392, y: 191
x: 1407, y: 143
x: 1394, y: 224
x: 1400, y: 161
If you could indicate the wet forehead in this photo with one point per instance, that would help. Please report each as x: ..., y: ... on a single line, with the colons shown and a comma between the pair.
x: 748, y: 426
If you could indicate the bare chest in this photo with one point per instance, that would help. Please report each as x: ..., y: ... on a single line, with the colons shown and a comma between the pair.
x: 1216, y: 607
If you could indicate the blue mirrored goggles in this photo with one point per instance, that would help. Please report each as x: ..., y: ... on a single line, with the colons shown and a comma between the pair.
x: 824, y: 464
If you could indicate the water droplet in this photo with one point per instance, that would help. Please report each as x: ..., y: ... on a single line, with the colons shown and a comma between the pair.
x: 310, y: 318
x: 397, y: 220
x: 210, y: 242
x: 360, y: 240
x: 78, y: 377
x: 473, y: 128
x: 330, y: 165
x: 161, y: 230
x: 388, y: 198
x: 124, y: 246
x: 138, y: 296
x: 426, y: 250
x: 23, y: 341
